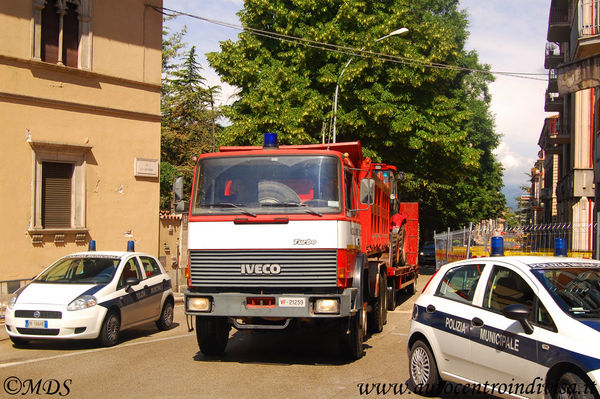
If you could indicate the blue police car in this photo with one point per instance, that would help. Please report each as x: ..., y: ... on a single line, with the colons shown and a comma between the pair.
x: 91, y: 295
x: 509, y: 326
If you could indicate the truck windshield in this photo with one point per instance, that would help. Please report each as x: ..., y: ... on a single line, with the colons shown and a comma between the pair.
x: 286, y: 184
x: 575, y: 289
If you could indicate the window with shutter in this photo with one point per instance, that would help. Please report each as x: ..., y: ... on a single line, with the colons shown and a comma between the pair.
x: 56, y: 194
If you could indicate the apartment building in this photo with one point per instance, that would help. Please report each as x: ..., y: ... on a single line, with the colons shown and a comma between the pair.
x: 568, y: 139
x: 80, y: 135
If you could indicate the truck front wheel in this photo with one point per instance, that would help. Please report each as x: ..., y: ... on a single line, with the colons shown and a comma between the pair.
x: 353, y: 337
x: 212, y: 334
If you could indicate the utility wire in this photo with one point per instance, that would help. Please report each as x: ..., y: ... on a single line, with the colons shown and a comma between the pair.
x: 352, y: 51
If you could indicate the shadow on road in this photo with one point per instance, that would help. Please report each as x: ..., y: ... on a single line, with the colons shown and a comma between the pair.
x: 149, y: 330
x: 303, y: 346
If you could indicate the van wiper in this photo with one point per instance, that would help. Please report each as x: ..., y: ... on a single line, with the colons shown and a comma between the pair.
x: 294, y: 204
x: 231, y: 205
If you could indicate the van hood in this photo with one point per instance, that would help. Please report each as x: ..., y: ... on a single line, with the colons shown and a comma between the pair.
x: 55, y: 294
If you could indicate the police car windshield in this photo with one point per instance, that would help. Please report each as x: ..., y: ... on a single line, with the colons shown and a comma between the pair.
x: 268, y: 184
x: 575, y: 288
x: 80, y: 270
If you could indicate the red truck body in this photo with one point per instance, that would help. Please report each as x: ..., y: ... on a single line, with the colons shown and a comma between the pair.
x: 316, y: 235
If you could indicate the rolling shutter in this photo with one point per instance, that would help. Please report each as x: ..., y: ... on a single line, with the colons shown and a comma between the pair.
x: 56, y: 194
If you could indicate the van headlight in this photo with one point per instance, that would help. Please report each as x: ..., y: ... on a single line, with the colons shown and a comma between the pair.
x: 12, y: 299
x: 83, y: 302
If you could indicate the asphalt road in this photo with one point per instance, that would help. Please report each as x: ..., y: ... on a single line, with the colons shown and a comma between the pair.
x: 152, y: 364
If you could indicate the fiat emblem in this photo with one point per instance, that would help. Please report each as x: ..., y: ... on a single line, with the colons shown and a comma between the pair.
x: 36, y: 314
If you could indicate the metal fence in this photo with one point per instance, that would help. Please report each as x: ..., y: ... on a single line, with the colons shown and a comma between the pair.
x: 537, y: 240
x: 7, y: 287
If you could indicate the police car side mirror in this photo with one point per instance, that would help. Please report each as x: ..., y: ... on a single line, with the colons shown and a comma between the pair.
x: 131, y: 281
x: 519, y: 313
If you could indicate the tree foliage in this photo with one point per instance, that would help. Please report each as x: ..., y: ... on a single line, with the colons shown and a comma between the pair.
x: 433, y: 123
x: 188, y: 114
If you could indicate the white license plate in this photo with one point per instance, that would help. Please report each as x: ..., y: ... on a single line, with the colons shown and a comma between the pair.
x: 287, y: 302
x: 36, y: 323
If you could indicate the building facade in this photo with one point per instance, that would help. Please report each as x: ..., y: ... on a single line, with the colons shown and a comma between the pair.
x: 80, y: 135
x: 568, y: 145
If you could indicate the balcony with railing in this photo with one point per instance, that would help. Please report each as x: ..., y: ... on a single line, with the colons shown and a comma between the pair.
x: 553, y: 56
x: 554, y: 102
x: 585, y: 32
x: 558, y: 23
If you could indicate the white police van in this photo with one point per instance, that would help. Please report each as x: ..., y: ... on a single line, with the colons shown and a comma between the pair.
x: 91, y: 295
x: 510, y: 326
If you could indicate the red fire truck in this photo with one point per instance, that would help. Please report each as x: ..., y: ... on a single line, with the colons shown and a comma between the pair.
x: 283, y: 235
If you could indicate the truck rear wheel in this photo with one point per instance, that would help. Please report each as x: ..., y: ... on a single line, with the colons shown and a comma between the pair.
x: 378, y: 316
x: 212, y: 334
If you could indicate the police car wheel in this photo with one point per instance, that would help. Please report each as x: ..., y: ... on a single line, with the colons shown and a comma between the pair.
x: 212, y: 334
x: 571, y: 385
x: 19, y: 341
x: 423, y: 369
x: 109, y: 334
x: 165, y: 321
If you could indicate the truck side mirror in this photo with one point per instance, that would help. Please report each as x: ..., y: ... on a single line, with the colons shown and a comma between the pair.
x: 367, y: 191
x: 180, y: 205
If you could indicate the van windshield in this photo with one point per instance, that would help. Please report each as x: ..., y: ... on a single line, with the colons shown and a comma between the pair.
x: 80, y: 270
x: 267, y: 185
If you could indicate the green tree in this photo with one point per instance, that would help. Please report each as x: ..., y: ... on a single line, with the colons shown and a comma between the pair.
x: 188, y: 115
x: 432, y: 123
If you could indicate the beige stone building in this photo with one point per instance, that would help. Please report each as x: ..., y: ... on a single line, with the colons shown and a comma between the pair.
x: 80, y: 132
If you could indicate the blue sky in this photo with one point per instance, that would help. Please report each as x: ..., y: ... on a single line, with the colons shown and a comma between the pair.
x: 507, y: 34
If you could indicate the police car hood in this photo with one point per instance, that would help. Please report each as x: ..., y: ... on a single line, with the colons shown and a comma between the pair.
x: 54, y: 294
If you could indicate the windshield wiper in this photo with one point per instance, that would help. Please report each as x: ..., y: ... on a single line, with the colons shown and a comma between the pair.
x: 231, y: 205
x: 295, y: 204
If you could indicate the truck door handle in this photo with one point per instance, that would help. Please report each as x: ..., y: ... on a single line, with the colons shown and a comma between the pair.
x: 477, y: 322
x: 430, y: 309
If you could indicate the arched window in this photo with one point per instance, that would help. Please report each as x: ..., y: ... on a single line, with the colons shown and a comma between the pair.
x: 61, y: 33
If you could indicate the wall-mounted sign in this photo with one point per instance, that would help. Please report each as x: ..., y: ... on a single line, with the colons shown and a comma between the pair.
x: 145, y: 167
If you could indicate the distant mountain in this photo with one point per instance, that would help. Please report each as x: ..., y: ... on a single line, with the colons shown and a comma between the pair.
x: 512, y: 192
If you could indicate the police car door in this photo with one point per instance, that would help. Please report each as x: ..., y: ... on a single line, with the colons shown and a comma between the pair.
x: 450, y: 313
x: 155, y: 283
x: 505, y: 354
x: 132, y: 298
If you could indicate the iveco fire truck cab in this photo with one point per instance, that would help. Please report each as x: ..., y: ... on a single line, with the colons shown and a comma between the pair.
x: 275, y: 238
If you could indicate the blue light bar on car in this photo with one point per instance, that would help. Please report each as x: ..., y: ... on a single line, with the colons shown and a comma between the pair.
x: 497, y: 246
x: 130, y: 246
x: 92, y: 245
x: 270, y: 140
x: 560, y: 247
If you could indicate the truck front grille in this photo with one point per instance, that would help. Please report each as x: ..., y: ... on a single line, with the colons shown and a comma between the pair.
x: 287, y: 268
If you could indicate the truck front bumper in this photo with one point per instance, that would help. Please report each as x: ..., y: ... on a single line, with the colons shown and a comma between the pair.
x: 288, y: 305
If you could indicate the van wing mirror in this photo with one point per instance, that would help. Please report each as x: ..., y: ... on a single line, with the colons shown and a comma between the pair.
x: 367, y: 191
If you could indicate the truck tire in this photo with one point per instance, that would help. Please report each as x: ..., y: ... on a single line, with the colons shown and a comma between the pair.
x: 378, y: 316
x: 212, y: 334
x: 352, y: 340
x: 391, y: 299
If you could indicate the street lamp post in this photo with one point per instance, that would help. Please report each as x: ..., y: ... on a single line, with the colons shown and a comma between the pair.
x: 397, y: 32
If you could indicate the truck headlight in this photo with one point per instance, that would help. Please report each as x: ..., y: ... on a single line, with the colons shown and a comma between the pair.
x: 327, y: 305
x: 83, y: 302
x: 199, y: 304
